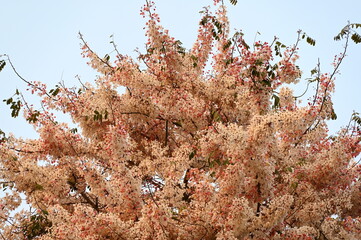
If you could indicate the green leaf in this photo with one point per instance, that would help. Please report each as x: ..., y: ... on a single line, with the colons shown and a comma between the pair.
x: 15, y: 106
x: 106, y: 58
x: 215, y: 35
x: 355, y: 25
x: 266, y: 83
x: 278, y: 46
x: 227, y: 44
x: 54, y: 92
x: 254, y: 72
x: 38, y: 187
x: 178, y: 124
x: 226, y: 162
x: 2, y: 65
x: 10, y: 100
x: 314, y: 71
x: 192, y: 154
x: 3, y: 137
x: 74, y: 130
x: 356, y: 38
x: 218, y: 26
x: 311, y: 80
x: 342, y: 33
x: 36, y: 226
x: 45, y: 212
x: 276, y: 103
x: 33, y: 117
x: 333, y: 114
x: 346, y: 30
x: 294, y: 185
x: 178, y: 42
x: 204, y: 21
x: 302, y: 162
x: 194, y: 58
x: 234, y: 2
x: 281, y: 45
x: 356, y: 118
x: 215, y: 116
x: 310, y: 41
x: 337, y: 38
x: 277, y: 50
x: 99, y: 116
x: 245, y: 44
x: 258, y: 62
x: 228, y: 61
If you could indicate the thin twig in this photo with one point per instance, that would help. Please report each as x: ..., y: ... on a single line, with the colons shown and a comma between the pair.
x: 78, y: 77
x: 23, y: 79
x: 166, y: 132
x: 106, y: 63
x: 318, y: 82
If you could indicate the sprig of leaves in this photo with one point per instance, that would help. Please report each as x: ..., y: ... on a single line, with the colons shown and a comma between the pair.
x: 227, y: 44
x: 234, y: 2
x: 55, y: 91
x: 309, y: 40
x: 278, y: 47
x: 98, y: 116
x: 347, y: 30
x: 15, y: 106
x: 33, y: 118
x: 356, y: 118
x: 37, y: 225
x: 218, y: 26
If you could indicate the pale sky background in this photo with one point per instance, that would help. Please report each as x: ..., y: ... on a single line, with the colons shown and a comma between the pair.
x: 41, y: 37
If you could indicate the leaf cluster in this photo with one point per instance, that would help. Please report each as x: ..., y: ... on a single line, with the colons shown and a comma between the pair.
x: 347, y: 30
x: 278, y: 47
x: 100, y: 116
x: 33, y: 117
x: 38, y: 225
x: 217, y: 30
x: 234, y: 2
x: 55, y: 91
x: 356, y: 118
x: 309, y: 40
x: 15, y: 106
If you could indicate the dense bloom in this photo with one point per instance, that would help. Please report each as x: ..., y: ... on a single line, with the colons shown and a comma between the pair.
x: 185, y: 152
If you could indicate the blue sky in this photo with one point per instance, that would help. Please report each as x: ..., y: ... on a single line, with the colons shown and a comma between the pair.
x: 41, y: 37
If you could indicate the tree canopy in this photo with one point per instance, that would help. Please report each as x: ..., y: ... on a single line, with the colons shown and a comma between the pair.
x: 205, y: 143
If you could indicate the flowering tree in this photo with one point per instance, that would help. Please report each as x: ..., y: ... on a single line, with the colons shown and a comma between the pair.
x: 186, y: 152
